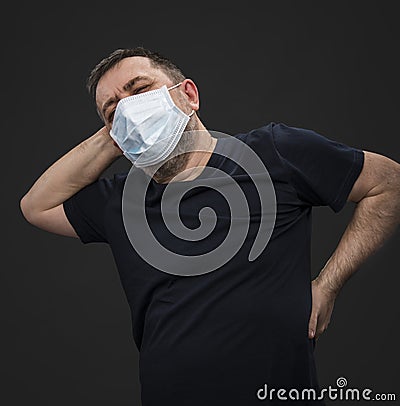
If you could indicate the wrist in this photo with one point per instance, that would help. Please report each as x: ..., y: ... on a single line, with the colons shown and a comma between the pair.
x: 326, y: 284
x: 106, y: 144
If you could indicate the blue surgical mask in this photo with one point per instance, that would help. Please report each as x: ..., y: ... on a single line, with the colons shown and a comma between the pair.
x: 148, y: 126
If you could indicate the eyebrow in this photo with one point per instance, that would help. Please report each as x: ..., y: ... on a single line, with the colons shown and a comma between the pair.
x: 128, y: 85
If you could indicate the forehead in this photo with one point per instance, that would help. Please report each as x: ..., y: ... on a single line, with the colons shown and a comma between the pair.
x: 113, y: 81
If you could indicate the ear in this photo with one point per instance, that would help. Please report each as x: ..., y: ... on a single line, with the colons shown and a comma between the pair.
x: 191, y: 92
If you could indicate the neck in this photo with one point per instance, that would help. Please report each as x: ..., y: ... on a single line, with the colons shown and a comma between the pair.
x: 197, y: 159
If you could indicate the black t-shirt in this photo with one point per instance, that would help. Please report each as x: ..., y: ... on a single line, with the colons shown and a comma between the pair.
x: 217, y: 338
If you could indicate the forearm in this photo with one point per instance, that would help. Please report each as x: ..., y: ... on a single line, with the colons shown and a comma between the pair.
x: 78, y: 168
x: 375, y: 218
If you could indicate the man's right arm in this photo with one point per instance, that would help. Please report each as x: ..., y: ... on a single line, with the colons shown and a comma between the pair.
x: 42, y: 205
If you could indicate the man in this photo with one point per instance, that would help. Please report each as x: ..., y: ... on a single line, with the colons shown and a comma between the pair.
x: 215, y: 336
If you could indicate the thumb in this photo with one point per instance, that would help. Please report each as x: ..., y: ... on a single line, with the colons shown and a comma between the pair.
x: 312, y: 324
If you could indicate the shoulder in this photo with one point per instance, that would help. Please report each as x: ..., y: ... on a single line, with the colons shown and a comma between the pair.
x: 291, y: 141
x: 103, y: 188
x: 262, y: 133
x: 116, y: 180
x: 277, y: 139
x: 279, y: 134
x: 119, y: 178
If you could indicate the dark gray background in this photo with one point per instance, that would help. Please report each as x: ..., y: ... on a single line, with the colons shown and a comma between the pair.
x: 328, y: 66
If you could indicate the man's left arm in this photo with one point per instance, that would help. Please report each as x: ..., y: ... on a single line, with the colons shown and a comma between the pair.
x: 376, y: 193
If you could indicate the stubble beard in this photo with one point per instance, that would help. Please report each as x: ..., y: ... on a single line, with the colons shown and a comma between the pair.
x: 178, y: 159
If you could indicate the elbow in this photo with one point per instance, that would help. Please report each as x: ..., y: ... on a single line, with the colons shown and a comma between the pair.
x: 26, y: 209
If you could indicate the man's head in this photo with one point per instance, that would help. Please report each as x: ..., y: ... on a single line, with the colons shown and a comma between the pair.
x: 127, y: 72
x: 131, y: 71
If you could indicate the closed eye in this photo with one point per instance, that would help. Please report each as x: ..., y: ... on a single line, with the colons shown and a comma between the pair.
x: 140, y: 89
x: 136, y: 91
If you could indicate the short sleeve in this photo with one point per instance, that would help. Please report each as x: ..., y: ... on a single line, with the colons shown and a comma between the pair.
x: 321, y: 170
x: 85, y: 210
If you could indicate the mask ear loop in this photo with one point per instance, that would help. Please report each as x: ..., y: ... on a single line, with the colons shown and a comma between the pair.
x: 173, y: 87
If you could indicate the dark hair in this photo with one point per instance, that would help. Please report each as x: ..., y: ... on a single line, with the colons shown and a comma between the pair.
x: 157, y: 60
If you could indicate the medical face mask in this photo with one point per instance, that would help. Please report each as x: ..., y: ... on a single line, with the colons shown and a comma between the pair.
x: 148, y: 126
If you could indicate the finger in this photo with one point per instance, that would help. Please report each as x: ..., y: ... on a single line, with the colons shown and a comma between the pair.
x: 318, y: 332
x: 312, y: 325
